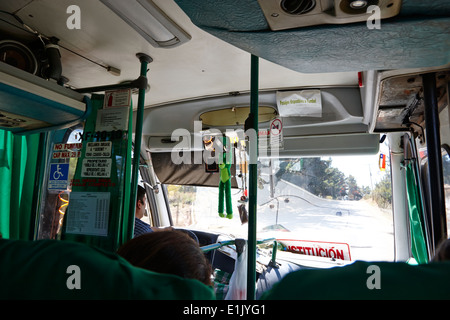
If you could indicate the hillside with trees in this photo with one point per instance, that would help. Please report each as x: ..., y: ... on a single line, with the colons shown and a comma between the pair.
x: 319, y: 177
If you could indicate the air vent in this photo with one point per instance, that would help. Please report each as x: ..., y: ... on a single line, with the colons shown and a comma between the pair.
x: 297, y: 7
x: 291, y: 14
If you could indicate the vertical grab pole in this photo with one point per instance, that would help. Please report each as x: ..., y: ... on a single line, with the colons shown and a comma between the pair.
x: 439, y: 224
x: 145, y: 60
x: 253, y: 180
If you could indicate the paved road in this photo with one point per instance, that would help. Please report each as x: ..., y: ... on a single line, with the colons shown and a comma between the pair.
x: 365, y: 228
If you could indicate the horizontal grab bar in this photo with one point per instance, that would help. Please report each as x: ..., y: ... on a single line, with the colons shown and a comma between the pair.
x: 221, y: 244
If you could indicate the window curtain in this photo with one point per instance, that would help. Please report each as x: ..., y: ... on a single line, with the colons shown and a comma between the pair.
x: 18, y: 158
x: 418, y: 241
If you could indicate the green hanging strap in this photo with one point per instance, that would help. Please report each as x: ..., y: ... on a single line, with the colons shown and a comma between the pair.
x: 225, y: 184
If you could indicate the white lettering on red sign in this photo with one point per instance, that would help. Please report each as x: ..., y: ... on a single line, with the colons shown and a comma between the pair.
x: 67, y: 146
x: 333, y: 250
x: 66, y: 150
x: 66, y: 154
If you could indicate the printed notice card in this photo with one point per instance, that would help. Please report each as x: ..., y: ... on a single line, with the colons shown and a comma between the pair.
x: 88, y: 213
x: 303, y: 103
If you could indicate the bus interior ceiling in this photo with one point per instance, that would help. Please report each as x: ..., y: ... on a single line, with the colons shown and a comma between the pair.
x: 369, y: 73
x: 215, y: 59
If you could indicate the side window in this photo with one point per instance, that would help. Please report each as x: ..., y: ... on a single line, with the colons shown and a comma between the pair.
x: 446, y: 173
x: 64, y: 147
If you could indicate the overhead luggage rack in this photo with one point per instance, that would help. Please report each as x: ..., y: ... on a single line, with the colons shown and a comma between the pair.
x: 30, y: 104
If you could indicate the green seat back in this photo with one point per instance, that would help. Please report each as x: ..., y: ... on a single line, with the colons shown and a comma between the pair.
x: 362, y: 281
x: 41, y: 270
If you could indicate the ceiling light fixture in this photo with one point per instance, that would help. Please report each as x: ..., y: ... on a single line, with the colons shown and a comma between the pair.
x: 149, y: 21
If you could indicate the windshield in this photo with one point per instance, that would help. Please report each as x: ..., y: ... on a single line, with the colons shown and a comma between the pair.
x: 344, y: 202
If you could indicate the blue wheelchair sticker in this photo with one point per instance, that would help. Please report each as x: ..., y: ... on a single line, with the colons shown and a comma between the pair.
x: 59, y: 175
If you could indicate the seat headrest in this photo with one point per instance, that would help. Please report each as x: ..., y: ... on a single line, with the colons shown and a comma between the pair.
x: 366, y: 281
x: 51, y: 269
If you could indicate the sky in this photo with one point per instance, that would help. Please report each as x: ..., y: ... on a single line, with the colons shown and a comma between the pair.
x: 362, y: 166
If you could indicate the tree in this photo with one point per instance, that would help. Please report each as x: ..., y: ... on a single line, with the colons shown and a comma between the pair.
x: 314, y: 172
x: 319, y: 177
x: 181, y: 199
x: 446, y: 167
x: 335, y: 183
x: 353, y: 188
x: 383, y: 192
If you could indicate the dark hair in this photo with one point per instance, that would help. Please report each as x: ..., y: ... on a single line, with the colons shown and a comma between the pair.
x: 443, y: 251
x: 172, y: 252
x: 140, y: 193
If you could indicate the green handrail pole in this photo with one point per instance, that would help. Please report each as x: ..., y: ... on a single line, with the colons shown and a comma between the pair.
x: 145, y: 60
x: 274, y: 252
x: 433, y: 141
x: 253, y: 180
x: 40, y: 170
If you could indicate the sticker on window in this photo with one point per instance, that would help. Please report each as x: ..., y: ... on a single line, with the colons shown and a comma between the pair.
x: 88, y: 213
x: 303, y: 103
x: 59, y: 175
x: 333, y: 250
x: 96, y: 168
